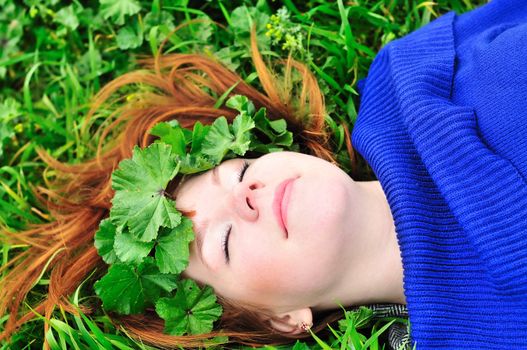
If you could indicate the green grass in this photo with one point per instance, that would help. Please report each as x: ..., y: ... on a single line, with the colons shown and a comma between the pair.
x: 55, y: 55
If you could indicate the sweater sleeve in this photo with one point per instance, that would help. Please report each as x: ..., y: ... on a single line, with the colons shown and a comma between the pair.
x: 486, y: 191
x: 442, y: 124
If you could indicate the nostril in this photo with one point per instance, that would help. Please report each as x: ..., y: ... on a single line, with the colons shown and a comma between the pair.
x: 249, y: 203
x: 253, y: 187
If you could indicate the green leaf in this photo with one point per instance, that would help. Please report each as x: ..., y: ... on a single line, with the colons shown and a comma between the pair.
x: 241, y: 126
x: 117, y: 9
x: 279, y: 126
x: 359, y: 318
x: 200, y: 31
x: 154, y: 282
x: 275, y: 130
x: 156, y: 19
x: 171, y: 133
x: 192, y: 164
x: 172, y: 249
x: 130, y: 36
x: 218, y: 140
x: 130, y: 250
x: 203, y: 29
x: 158, y: 24
x: 67, y: 17
x: 191, y: 311
x: 242, y: 20
x: 140, y: 200
x: 91, y: 64
x: 9, y: 110
x: 104, y: 240
x: 229, y: 56
x: 127, y: 289
x: 199, y: 132
x: 241, y: 103
x: 92, y: 19
x: 120, y: 290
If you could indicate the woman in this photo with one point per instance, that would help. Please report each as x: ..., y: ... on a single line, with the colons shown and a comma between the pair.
x: 82, y: 196
x: 299, y: 215
x: 449, y: 207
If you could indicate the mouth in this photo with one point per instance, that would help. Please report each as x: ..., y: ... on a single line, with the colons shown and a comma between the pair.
x: 280, y: 203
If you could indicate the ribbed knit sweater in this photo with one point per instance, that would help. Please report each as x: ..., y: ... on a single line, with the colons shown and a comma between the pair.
x: 443, y: 124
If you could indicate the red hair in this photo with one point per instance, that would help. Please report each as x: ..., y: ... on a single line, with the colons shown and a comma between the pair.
x: 175, y: 86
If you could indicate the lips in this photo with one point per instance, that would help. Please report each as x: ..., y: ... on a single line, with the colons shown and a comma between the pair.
x: 280, y: 203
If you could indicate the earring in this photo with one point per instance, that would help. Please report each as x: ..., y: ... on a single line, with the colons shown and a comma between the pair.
x: 305, y: 327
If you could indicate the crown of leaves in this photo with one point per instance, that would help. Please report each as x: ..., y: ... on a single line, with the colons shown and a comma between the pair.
x: 145, y: 239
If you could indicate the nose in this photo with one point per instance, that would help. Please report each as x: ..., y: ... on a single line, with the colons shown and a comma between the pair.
x: 244, y: 199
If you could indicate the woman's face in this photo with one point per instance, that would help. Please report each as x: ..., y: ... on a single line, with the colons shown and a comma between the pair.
x: 282, y: 224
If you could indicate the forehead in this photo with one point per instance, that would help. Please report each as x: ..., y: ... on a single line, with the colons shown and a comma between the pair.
x: 189, y: 190
x: 195, y: 189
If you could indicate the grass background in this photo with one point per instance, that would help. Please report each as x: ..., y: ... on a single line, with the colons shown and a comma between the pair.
x: 55, y: 55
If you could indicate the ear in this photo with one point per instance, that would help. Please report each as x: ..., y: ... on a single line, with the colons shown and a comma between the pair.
x: 290, y: 322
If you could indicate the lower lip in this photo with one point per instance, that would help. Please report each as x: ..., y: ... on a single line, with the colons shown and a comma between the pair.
x: 283, y: 193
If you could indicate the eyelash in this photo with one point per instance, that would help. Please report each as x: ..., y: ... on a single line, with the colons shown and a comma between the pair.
x: 225, y: 240
x: 225, y: 244
x: 243, y: 170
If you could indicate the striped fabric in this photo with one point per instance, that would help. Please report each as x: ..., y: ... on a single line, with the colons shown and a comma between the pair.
x: 399, y: 337
x: 398, y: 333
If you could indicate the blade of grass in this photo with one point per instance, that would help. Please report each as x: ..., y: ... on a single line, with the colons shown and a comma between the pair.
x: 23, y: 204
x: 328, y: 10
x: 320, y: 342
x: 225, y: 13
x: 378, y: 333
x: 224, y: 96
x: 28, y: 104
x: 50, y: 338
x: 99, y: 335
x: 45, y: 124
x: 92, y: 57
x: 66, y: 336
x: 86, y: 335
x: 47, y: 264
x: 185, y: 10
x: 10, y: 209
x: 345, y: 29
x: 10, y: 61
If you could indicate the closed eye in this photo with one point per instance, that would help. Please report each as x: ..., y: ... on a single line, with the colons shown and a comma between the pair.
x: 243, y: 169
x: 225, y: 243
x: 227, y: 233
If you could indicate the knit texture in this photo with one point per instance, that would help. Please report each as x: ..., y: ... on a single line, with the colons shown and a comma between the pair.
x: 443, y: 124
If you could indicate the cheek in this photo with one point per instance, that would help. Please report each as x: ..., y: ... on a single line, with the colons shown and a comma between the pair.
x: 260, y: 274
x: 286, y: 277
x: 263, y: 280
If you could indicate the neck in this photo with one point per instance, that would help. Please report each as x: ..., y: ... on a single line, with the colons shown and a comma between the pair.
x: 373, y: 273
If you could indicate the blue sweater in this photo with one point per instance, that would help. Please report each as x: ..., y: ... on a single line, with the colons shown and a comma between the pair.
x: 443, y: 124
